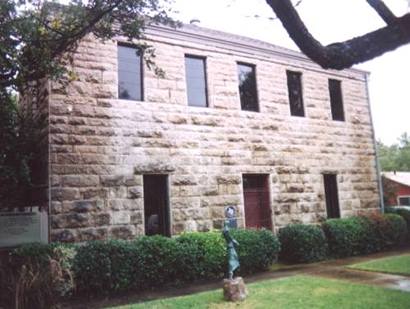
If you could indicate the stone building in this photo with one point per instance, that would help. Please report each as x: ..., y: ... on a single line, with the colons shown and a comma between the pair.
x: 234, y: 122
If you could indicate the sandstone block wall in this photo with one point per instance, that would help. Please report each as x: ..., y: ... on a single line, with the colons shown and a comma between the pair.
x: 100, y: 146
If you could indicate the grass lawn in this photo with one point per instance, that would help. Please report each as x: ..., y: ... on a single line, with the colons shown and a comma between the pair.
x: 293, y: 292
x: 394, y: 265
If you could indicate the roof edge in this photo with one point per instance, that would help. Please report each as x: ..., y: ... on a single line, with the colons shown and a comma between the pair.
x: 190, y: 32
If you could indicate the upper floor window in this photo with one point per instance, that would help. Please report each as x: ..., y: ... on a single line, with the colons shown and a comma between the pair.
x: 336, y: 100
x: 247, y: 87
x: 129, y: 73
x: 295, y: 93
x: 196, y: 81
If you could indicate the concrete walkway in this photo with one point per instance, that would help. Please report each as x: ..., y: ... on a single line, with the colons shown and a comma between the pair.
x: 334, y: 269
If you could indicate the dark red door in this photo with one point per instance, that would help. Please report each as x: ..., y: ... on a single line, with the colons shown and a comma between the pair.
x: 256, y: 199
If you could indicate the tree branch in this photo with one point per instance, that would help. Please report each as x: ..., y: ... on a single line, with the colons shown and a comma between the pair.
x: 341, y: 55
x: 384, y: 12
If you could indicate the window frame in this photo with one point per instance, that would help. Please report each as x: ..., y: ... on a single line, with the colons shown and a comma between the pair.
x: 141, y: 71
x: 300, y: 74
x: 204, y: 59
x: 254, y: 69
x: 339, y: 82
x: 402, y: 196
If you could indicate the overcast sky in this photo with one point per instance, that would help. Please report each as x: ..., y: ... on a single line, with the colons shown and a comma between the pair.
x: 329, y: 21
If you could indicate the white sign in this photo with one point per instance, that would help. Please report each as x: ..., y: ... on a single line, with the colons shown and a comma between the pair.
x: 17, y: 228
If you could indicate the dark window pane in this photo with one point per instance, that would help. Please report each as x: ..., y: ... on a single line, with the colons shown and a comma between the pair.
x: 332, y: 196
x: 129, y: 73
x: 295, y: 93
x: 336, y: 101
x: 247, y: 87
x: 404, y: 201
x: 196, y: 81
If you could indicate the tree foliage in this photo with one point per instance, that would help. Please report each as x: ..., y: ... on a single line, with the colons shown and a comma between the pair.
x: 36, y: 34
x: 37, y: 38
x: 20, y: 147
x: 341, y: 55
x: 397, y: 156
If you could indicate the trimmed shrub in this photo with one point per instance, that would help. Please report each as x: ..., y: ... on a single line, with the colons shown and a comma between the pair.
x: 394, y: 232
x: 146, y: 262
x: 158, y: 261
x: 403, y: 212
x: 105, y: 266
x: 361, y: 235
x: 302, y: 243
x: 204, y: 255
x: 350, y: 236
x: 257, y: 250
x: 36, y: 275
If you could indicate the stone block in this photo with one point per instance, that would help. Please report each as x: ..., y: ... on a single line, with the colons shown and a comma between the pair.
x: 135, y: 192
x: 122, y: 232
x: 154, y: 167
x: 64, y: 235
x: 228, y: 179
x: 88, y: 206
x: 71, y: 220
x: 234, y: 290
x: 80, y: 181
x: 120, y: 217
x: 101, y: 219
x: 184, y: 180
x: 136, y: 218
x: 92, y: 234
x: 112, y: 180
x: 64, y: 194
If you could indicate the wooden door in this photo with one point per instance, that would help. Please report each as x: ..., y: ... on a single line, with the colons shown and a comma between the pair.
x: 256, y: 200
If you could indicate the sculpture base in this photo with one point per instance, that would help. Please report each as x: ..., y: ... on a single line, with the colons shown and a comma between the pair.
x: 235, y: 289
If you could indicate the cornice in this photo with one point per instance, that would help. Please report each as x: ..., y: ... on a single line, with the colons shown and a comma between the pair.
x: 239, y: 44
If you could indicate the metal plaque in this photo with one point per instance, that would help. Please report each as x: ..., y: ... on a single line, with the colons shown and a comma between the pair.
x: 17, y: 228
x: 230, y: 215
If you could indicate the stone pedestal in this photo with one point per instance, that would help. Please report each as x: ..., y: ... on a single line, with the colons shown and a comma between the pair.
x: 235, y: 289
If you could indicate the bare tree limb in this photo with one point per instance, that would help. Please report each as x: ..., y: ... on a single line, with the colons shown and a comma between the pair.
x: 384, y: 12
x: 342, y: 55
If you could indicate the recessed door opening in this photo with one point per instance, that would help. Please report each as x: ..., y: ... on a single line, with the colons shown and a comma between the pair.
x: 332, y: 196
x: 257, y: 202
x: 156, y: 206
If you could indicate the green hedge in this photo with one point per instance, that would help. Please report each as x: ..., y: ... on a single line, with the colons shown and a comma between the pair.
x: 205, y: 255
x: 46, y: 272
x: 105, y: 266
x: 392, y: 231
x: 160, y: 260
x: 257, y: 250
x: 302, y: 243
x: 361, y: 235
x: 403, y: 212
x: 112, y: 266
